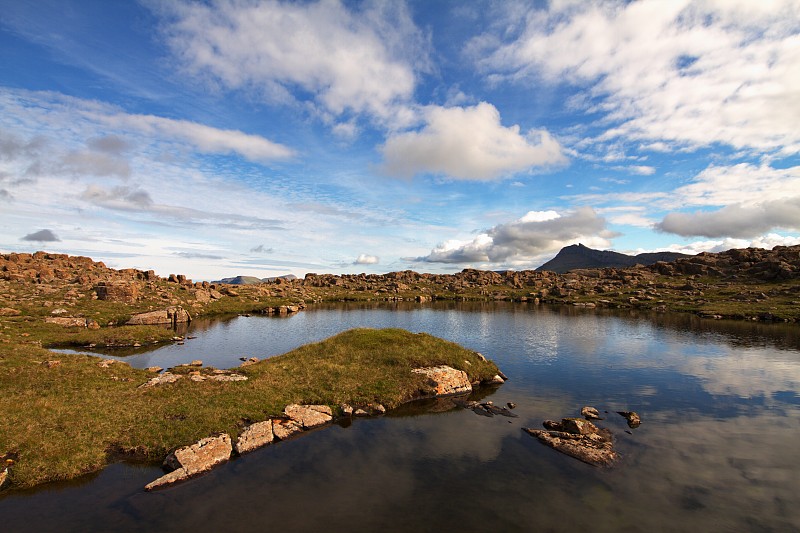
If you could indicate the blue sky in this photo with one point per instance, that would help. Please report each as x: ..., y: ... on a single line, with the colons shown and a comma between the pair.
x: 262, y: 138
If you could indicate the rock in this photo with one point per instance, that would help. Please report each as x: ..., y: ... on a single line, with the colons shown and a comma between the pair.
x: 578, y: 426
x: 497, y: 380
x: 166, y: 377
x: 195, y: 459
x: 154, y: 369
x: 196, y: 362
x: 443, y: 381
x: 377, y: 409
x: 51, y: 364
x: 170, y: 316
x: 285, y: 428
x: 255, y: 436
x: 590, y: 413
x: 595, y: 449
x: 360, y: 412
x: 250, y: 361
x: 633, y: 419
x: 511, y: 405
x: 309, y: 416
x: 66, y: 322
x: 3, y: 477
x: 347, y: 409
x: 126, y: 292
x: 59, y: 311
x: 8, y: 311
x: 105, y: 363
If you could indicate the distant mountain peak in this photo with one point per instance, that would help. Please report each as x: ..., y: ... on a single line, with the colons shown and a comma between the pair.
x: 577, y: 256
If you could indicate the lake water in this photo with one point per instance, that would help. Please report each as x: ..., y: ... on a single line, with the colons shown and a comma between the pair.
x: 717, y: 449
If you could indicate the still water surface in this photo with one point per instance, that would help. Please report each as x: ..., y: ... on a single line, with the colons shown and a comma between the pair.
x: 717, y: 449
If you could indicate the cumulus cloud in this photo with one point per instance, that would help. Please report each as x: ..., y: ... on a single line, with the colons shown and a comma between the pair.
x: 768, y: 241
x: 685, y: 73
x: 359, y: 60
x: 735, y: 220
x: 43, y: 235
x: 468, y: 143
x: 535, y: 234
x: 365, y: 259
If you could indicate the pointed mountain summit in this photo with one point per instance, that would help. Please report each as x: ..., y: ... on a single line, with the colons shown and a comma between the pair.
x: 579, y: 256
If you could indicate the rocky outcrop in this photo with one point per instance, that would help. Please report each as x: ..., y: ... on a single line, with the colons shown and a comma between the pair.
x: 170, y: 316
x: 195, y: 459
x: 443, y: 381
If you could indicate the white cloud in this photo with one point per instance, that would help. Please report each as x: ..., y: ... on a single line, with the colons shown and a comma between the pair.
x: 743, y: 183
x: 684, y: 72
x: 736, y: 220
x: 106, y: 154
x: 525, y: 239
x: 360, y: 61
x: 468, y: 143
x: 364, y: 259
x: 203, y: 138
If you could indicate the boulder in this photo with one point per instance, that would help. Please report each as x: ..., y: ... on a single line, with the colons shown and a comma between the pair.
x: 285, y: 428
x: 195, y: 459
x: 126, y: 292
x: 169, y: 316
x: 443, y: 381
x: 309, y: 416
x: 255, y: 436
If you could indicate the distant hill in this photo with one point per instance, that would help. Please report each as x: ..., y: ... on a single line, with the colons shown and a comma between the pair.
x: 580, y: 256
x: 252, y: 280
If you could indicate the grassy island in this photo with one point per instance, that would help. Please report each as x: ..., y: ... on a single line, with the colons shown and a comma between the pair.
x: 64, y: 420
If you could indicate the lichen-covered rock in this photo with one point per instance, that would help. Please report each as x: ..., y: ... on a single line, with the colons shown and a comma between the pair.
x: 444, y: 381
x: 169, y: 316
x: 161, y: 379
x: 66, y: 321
x: 255, y: 436
x: 195, y: 459
x: 309, y: 416
x: 283, y: 429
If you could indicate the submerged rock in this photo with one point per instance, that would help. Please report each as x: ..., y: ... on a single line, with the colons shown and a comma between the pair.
x: 596, y: 449
x: 633, y: 419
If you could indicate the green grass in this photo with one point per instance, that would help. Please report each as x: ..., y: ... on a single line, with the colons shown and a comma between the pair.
x: 71, y: 419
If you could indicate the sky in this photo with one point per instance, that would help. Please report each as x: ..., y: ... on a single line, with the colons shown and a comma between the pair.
x: 262, y: 138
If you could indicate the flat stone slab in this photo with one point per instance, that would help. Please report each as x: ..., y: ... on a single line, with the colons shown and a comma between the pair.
x: 444, y: 380
x: 255, y: 436
x: 170, y: 315
x: 195, y: 459
x: 309, y: 416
